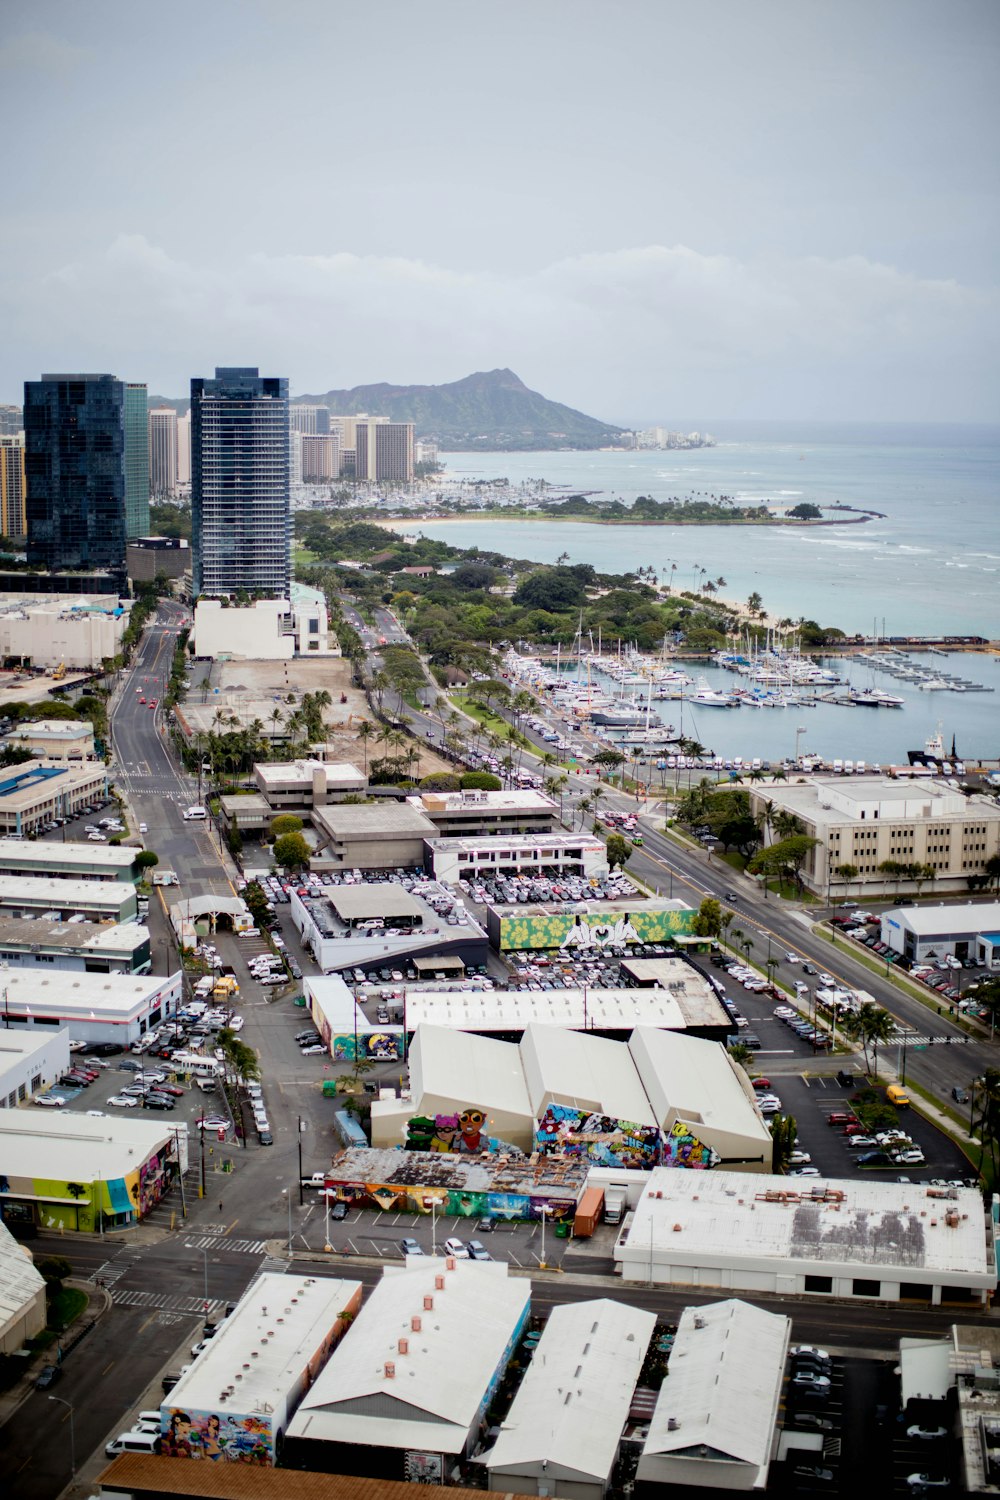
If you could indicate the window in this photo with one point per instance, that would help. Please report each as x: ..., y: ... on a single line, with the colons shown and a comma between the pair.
x: 819, y: 1284
x: 867, y: 1288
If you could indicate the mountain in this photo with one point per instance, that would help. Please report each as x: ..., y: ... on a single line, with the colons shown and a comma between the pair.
x: 490, y: 410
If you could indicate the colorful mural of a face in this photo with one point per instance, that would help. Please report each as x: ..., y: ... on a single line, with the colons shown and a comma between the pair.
x: 218, y: 1437
x: 583, y: 930
x: 682, y: 1148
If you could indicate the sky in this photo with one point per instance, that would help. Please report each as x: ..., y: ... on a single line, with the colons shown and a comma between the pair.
x: 781, y: 209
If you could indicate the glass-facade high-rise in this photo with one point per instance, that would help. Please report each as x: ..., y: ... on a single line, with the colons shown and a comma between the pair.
x: 136, y: 461
x: 240, y: 485
x: 74, y: 434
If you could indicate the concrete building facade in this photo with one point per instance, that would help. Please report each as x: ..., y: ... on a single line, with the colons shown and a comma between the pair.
x: 163, y: 452
x: 868, y: 820
x: 925, y: 933
x: 453, y: 859
x: 78, y: 632
x: 30, y: 1063
x: 35, y: 792
x: 13, y: 489
x: 55, y: 739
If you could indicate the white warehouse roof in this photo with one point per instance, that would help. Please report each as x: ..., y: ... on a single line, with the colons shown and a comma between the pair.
x: 446, y: 1064
x: 696, y: 1080
x: 20, y: 1283
x: 409, y: 1373
x: 268, y: 1341
x: 583, y: 1071
x: 514, y: 1010
x: 946, y: 919
x: 719, y: 1400
x: 573, y: 1404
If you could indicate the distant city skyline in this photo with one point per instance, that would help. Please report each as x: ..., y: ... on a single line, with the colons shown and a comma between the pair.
x: 776, y: 211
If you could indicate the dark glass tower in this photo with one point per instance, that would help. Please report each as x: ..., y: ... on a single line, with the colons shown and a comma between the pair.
x: 136, y: 461
x: 240, y: 485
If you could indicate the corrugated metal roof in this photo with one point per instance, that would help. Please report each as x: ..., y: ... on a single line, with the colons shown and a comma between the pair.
x: 574, y: 1401
x: 20, y: 1283
x: 142, y: 1474
x: 723, y: 1383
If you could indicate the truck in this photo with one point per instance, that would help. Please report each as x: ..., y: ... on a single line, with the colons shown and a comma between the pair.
x: 588, y: 1213
x: 226, y: 984
x: 165, y: 877
x: 614, y: 1203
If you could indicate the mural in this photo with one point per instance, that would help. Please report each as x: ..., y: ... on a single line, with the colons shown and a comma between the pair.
x: 381, y: 1046
x: 565, y: 1131
x: 459, y: 1134
x: 461, y: 1203
x: 217, y: 1437
x: 682, y: 1148
x: 591, y: 930
x: 60, y: 1203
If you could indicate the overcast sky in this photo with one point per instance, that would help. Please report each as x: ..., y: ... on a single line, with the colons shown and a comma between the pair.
x: 648, y: 209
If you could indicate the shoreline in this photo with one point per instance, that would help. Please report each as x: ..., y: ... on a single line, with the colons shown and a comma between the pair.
x: 854, y: 518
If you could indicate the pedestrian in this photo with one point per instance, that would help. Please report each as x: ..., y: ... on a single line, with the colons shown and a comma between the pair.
x: 220, y: 1208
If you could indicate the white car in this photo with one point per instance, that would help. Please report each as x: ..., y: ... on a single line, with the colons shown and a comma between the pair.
x: 96, y: 1114
x: 314, y: 1049
x: 456, y: 1249
x: 122, y: 1101
x: 49, y: 1101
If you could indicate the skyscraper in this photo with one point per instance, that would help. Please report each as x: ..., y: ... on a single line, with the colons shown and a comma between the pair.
x: 12, y: 486
x: 184, y: 451
x: 74, y: 433
x: 240, y: 485
x: 11, y: 421
x: 162, y: 451
x: 136, y: 461
x: 383, y: 450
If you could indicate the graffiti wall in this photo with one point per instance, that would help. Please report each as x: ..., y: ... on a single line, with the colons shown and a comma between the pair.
x: 587, y: 931
x: 59, y: 1203
x: 459, y: 1134
x: 565, y: 1131
x: 381, y: 1046
x: 682, y: 1148
x: 217, y: 1436
x: 458, y: 1203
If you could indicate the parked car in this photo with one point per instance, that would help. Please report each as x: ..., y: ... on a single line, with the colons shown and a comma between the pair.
x: 478, y: 1251
x: 47, y: 1376
x: 411, y: 1247
x: 456, y: 1248
x: 926, y: 1434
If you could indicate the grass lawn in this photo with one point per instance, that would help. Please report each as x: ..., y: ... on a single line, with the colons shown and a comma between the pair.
x: 487, y: 717
x: 67, y: 1304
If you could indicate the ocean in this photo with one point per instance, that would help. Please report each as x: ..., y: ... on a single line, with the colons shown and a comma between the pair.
x: 932, y: 566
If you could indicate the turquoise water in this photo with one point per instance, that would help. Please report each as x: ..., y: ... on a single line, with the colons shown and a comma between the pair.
x: 932, y: 565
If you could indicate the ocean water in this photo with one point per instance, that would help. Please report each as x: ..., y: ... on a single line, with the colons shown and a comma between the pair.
x: 932, y: 565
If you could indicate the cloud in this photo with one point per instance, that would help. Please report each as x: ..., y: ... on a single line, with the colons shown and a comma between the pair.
x: 39, y: 51
x: 640, y: 330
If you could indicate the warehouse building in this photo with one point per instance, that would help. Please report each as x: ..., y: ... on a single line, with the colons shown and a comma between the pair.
x: 343, y: 1025
x: 661, y: 1097
x: 405, y: 1393
x: 589, y: 927
x: 78, y: 631
x: 76, y: 1173
x: 35, y: 793
x: 716, y: 1414
x: 563, y: 1432
x: 23, y: 1308
x: 876, y: 1241
x: 381, y: 925
x: 235, y: 1401
x: 73, y: 861
x: 867, y: 820
x: 506, y: 1013
x: 79, y: 946
x: 924, y: 933
x: 549, y: 854
x: 59, y: 899
x: 30, y: 1062
x: 94, y: 1007
x: 443, y: 1185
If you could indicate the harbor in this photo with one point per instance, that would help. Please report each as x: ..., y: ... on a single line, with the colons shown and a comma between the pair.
x: 771, y: 708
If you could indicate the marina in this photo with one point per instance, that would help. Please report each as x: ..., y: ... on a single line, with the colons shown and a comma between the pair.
x: 731, y: 707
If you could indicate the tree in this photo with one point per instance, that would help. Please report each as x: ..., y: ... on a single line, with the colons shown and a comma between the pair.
x: 291, y: 851
x: 784, y: 858
x: 986, y: 1100
x: 609, y: 760
x: 483, y: 781
x: 740, y: 1053
x: 805, y: 511
x: 365, y: 732
x: 846, y: 873
x: 146, y: 859
x: 708, y: 920
x: 869, y: 1025
x: 755, y: 604
x: 784, y: 1134
x: 285, y: 823
x: 619, y: 850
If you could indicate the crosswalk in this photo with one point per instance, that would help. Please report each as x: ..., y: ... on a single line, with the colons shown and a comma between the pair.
x: 223, y: 1242
x: 165, y: 1301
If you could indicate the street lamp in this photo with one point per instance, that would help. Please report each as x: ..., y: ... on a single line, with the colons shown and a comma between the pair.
x: 799, y: 732
x: 204, y: 1256
x: 431, y: 1203
x: 288, y: 1199
x: 545, y: 1211
x: 72, y: 1439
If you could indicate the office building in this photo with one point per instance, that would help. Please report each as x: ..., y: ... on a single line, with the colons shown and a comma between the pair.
x: 162, y: 451
x: 866, y: 821
x: 11, y: 421
x: 74, y: 429
x: 136, y: 460
x: 240, y: 484
x: 309, y: 420
x: 12, y: 486
x: 383, y: 450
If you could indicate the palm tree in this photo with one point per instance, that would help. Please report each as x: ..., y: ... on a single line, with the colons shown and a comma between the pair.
x: 365, y: 731
x: 725, y: 922
x: 740, y: 1053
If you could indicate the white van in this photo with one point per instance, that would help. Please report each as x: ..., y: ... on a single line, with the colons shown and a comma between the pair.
x: 133, y: 1442
x: 195, y: 815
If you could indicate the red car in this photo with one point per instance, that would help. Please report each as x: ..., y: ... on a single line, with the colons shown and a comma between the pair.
x: 170, y: 1088
x: 142, y: 700
x: 841, y: 1117
x: 762, y: 1083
